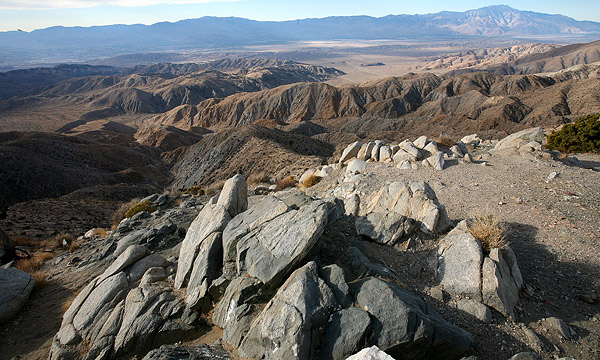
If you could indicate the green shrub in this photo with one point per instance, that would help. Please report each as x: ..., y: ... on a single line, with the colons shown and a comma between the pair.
x: 143, y: 206
x: 583, y: 135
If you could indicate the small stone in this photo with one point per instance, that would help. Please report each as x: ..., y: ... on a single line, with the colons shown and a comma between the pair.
x: 560, y: 327
x: 553, y: 175
x: 437, y: 294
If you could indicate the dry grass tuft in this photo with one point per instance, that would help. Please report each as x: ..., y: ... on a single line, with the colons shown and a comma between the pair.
x: 311, y: 180
x: 57, y: 241
x: 259, y: 178
x: 214, y: 187
x: 74, y: 246
x: 41, y: 278
x: 119, y: 215
x: 34, y: 263
x: 24, y: 241
x: 445, y: 140
x: 285, y: 183
x: 490, y: 232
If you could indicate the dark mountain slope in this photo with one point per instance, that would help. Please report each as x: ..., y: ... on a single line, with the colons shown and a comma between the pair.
x: 39, y: 165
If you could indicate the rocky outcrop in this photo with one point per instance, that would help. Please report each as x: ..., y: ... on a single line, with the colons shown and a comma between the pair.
x: 269, y: 243
x: 494, y: 280
x: 123, y: 310
x: 15, y: 287
x: 284, y: 285
x: 200, y: 257
x: 406, y: 155
x: 398, y: 209
x: 405, y: 326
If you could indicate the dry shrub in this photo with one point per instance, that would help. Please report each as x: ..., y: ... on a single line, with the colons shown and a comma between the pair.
x: 138, y: 208
x: 285, y: 183
x: 311, y: 180
x: 194, y: 191
x: 34, y: 263
x: 214, y: 187
x: 24, y: 241
x: 41, y: 278
x: 56, y: 241
x: 259, y: 178
x: 74, y: 246
x: 490, y: 232
x: 99, y: 232
x: 445, y: 140
x: 119, y: 215
x: 26, y: 265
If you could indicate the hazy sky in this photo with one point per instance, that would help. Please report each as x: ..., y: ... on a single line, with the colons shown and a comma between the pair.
x: 35, y: 14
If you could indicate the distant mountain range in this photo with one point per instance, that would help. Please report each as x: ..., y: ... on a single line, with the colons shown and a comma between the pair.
x: 84, y: 43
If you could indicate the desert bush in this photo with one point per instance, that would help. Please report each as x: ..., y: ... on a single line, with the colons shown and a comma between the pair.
x: 311, y: 180
x: 489, y: 231
x: 214, y: 187
x: 583, y: 135
x: 143, y: 206
x: 194, y: 191
x: 56, y: 241
x: 259, y: 178
x: 285, y: 183
x: 445, y: 140
x: 119, y: 215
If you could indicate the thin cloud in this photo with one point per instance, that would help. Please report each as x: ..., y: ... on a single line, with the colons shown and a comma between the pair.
x: 73, y: 4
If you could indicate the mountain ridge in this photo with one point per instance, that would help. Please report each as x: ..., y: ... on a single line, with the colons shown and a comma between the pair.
x: 232, y: 32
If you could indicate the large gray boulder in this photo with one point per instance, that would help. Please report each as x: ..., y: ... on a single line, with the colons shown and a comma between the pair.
x: 383, y: 217
x: 351, y: 151
x: 345, y: 334
x: 15, y: 287
x: 384, y: 228
x: 405, y: 326
x: 521, y: 138
x: 365, y: 151
x: 235, y: 311
x: 499, y: 289
x: 211, y: 219
x: 234, y: 195
x: 289, y: 325
x: 459, y: 258
x: 270, y: 252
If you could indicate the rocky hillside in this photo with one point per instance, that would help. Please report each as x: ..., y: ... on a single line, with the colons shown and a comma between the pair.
x: 479, y: 102
x: 156, y: 89
x: 374, y: 257
x: 559, y: 58
x: 484, y: 58
x: 40, y: 165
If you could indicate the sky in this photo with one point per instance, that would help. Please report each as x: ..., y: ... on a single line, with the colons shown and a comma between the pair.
x: 29, y: 15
